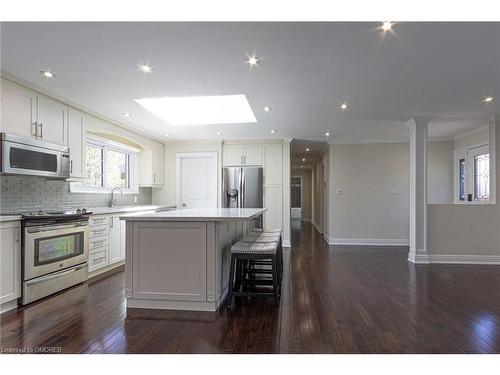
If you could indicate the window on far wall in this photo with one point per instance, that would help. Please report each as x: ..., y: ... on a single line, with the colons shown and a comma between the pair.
x: 109, y: 165
x: 473, y: 174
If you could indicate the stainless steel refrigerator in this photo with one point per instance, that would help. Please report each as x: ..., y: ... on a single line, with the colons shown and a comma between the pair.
x: 242, y: 187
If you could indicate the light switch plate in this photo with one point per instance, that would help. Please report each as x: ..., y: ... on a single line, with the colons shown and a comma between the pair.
x: 339, y: 191
x: 135, y: 198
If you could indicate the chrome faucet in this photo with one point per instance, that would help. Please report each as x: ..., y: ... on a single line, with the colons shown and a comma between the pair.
x: 112, y: 200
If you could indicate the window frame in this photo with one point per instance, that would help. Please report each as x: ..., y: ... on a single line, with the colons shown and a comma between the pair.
x: 467, y: 153
x: 132, y: 166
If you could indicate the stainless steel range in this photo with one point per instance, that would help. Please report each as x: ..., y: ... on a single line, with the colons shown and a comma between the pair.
x: 55, y: 252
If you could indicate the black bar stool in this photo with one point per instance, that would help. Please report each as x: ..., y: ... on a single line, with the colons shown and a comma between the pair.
x: 242, y: 252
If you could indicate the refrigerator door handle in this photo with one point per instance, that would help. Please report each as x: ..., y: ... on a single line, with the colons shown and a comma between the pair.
x: 242, y: 188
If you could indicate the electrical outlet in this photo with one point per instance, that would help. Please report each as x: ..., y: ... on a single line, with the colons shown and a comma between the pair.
x: 339, y: 191
x: 135, y: 198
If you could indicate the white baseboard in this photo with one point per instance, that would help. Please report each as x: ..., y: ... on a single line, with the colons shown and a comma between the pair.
x: 286, y: 243
x: 465, y: 259
x: 316, y: 226
x: 368, y: 241
x: 6, y: 306
x: 418, y: 258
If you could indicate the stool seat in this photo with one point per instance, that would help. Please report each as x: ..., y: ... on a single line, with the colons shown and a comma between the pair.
x: 264, y: 248
x: 259, y: 230
x: 261, y: 239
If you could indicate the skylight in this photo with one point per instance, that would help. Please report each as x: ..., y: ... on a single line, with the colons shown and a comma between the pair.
x: 201, y: 110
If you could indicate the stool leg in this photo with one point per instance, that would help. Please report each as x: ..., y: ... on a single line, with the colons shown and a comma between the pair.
x: 230, y: 286
x: 275, y: 281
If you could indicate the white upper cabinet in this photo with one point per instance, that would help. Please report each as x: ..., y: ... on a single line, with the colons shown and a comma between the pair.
x: 18, y: 110
x: 152, y: 166
x: 76, y: 143
x: 253, y: 154
x: 243, y: 154
x: 273, y: 164
x: 27, y: 114
x: 233, y: 154
x: 52, y: 120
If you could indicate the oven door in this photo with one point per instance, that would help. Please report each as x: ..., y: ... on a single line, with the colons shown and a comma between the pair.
x: 24, y: 159
x: 50, y: 248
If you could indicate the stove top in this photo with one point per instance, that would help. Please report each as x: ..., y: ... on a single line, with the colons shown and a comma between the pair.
x: 56, y: 214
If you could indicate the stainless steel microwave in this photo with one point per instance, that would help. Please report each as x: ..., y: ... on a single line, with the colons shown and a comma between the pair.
x: 33, y: 157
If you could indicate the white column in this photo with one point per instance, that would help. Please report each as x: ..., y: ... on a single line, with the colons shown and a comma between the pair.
x: 286, y: 192
x: 418, y: 191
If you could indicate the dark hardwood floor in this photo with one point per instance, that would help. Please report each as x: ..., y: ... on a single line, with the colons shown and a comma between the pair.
x: 335, y: 300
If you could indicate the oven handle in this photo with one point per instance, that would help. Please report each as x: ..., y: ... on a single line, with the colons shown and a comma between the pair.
x: 53, y: 276
x: 54, y: 227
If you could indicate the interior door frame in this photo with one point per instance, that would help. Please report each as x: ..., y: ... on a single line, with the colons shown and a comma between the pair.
x: 178, y: 157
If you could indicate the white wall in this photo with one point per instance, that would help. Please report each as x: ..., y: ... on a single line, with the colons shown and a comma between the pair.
x: 440, y: 172
x: 373, y: 207
x: 167, y: 194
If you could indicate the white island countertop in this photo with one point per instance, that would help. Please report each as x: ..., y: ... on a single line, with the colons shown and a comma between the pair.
x: 199, y: 214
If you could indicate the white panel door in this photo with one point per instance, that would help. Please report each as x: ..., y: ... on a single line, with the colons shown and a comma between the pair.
x: 196, y: 175
x: 18, y: 110
x: 273, y: 164
x: 10, y: 264
x: 76, y: 143
x: 273, y: 203
x: 253, y: 154
x: 233, y: 154
x: 53, y: 117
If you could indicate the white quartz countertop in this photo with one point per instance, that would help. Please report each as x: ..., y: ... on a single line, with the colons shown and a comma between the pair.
x: 10, y: 218
x: 118, y: 209
x: 199, y: 214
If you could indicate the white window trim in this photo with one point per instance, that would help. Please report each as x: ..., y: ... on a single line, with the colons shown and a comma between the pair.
x: 133, y: 153
x: 462, y: 153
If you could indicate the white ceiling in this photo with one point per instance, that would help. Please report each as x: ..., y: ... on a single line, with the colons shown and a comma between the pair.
x: 437, y: 70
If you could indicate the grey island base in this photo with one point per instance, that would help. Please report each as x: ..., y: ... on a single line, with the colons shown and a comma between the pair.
x: 180, y: 259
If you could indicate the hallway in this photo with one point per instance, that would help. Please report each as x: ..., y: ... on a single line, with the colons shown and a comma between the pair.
x: 334, y: 300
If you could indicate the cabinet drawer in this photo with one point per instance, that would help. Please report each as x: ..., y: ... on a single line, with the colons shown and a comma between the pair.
x: 98, y: 242
x: 98, y: 260
x: 99, y: 231
x: 98, y: 220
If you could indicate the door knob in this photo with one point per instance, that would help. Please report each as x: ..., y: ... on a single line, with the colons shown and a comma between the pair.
x: 184, y: 205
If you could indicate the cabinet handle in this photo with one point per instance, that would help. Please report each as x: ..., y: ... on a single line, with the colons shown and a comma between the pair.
x: 154, y: 177
x: 71, y: 166
x: 99, y: 260
x: 41, y: 130
x: 34, y: 129
x: 94, y: 243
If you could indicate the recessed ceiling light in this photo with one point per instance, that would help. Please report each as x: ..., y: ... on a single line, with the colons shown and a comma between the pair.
x: 303, y: 160
x: 301, y: 166
x: 253, y: 61
x: 267, y: 108
x: 219, y: 133
x: 47, y: 74
x: 145, y: 68
x: 126, y: 114
x: 386, y: 26
x: 343, y: 107
x: 488, y: 99
x: 166, y: 134
x: 327, y: 134
x: 273, y: 131
x: 201, y: 110
x: 307, y: 149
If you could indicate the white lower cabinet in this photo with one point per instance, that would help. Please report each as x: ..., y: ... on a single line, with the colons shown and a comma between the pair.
x: 116, y: 240
x: 10, y: 261
x: 106, y: 241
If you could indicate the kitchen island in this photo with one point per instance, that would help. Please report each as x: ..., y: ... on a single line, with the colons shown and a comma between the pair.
x: 180, y: 259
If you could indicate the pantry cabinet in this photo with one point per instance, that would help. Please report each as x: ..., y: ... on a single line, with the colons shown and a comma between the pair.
x: 273, y: 203
x: 28, y: 114
x: 76, y: 143
x: 10, y: 264
x: 273, y: 164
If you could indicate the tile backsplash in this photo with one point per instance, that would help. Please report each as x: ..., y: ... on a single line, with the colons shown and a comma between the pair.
x: 24, y: 193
